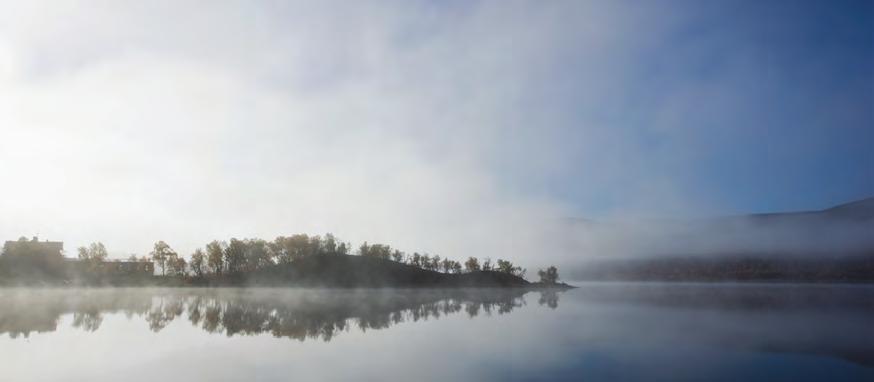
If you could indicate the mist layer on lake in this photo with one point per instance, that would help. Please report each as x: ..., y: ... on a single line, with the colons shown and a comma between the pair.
x: 601, y: 331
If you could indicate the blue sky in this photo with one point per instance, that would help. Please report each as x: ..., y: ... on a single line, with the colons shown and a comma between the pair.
x: 454, y: 127
x: 769, y: 103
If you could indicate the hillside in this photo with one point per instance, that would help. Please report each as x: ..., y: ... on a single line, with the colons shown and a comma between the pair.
x: 834, y: 244
x: 858, y: 211
x: 345, y: 271
x: 858, y: 269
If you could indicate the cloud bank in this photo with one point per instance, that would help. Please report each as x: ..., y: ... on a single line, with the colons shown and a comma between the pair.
x: 457, y: 128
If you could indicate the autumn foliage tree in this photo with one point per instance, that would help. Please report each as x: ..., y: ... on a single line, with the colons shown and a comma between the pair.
x: 472, y: 264
x: 237, y: 256
x: 198, y: 263
x: 215, y: 257
x: 160, y: 254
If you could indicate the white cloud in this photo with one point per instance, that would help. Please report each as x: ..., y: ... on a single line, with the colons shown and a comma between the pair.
x: 461, y: 129
x: 128, y: 123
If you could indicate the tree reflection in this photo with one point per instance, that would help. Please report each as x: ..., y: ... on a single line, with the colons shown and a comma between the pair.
x: 549, y: 298
x: 88, y: 321
x: 297, y: 314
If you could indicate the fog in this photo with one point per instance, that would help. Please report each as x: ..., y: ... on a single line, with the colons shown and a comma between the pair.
x: 604, y: 330
x: 129, y: 126
x: 802, y: 236
x: 300, y: 314
x: 463, y: 129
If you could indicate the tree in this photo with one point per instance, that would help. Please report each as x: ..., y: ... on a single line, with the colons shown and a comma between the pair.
x: 446, y: 265
x: 343, y: 249
x: 416, y: 260
x: 381, y: 251
x: 435, y: 263
x: 282, y: 249
x: 505, y: 266
x: 215, y: 256
x: 235, y: 256
x: 161, y: 253
x: 550, y: 276
x: 95, y: 253
x: 315, y: 246
x: 176, y: 264
x: 456, y: 267
x: 487, y: 264
x: 180, y: 266
x: 295, y: 247
x: 330, y: 244
x: 198, y: 262
x: 257, y: 254
x: 472, y: 264
x: 397, y: 256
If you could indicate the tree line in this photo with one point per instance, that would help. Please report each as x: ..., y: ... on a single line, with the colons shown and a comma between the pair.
x: 233, y: 257
x: 247, y: 255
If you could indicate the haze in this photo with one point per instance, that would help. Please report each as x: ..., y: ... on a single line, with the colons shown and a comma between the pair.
x: 456, y: 128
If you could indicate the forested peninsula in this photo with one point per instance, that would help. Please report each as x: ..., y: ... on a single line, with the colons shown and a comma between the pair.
x: 299, y: 260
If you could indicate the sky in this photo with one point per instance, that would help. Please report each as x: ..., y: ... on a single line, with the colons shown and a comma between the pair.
x: 452, y: 127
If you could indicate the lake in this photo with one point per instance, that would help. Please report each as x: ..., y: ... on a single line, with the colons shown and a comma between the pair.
x: 600, y: 331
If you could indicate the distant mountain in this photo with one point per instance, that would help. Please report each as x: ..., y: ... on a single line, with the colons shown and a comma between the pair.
x: 860, y: 210
x: 854, y: 269
x: 834, y: 244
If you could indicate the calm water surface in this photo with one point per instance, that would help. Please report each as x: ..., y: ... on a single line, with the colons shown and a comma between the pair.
x: 601, y: 331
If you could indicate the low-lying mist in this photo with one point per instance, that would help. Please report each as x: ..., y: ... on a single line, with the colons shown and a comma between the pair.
x: 841, y: 232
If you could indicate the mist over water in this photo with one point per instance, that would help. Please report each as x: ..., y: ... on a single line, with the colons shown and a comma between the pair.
x: 600, y: 331
x: 219, y: 144
x: 463, y: 129
x: 830, y: 236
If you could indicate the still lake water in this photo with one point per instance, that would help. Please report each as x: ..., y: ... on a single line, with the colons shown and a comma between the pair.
x: 600, y: 331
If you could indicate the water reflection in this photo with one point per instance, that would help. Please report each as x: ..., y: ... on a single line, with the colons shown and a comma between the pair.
x: 832, y: 321
x: 301, y: 314
x: 603, y: 331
